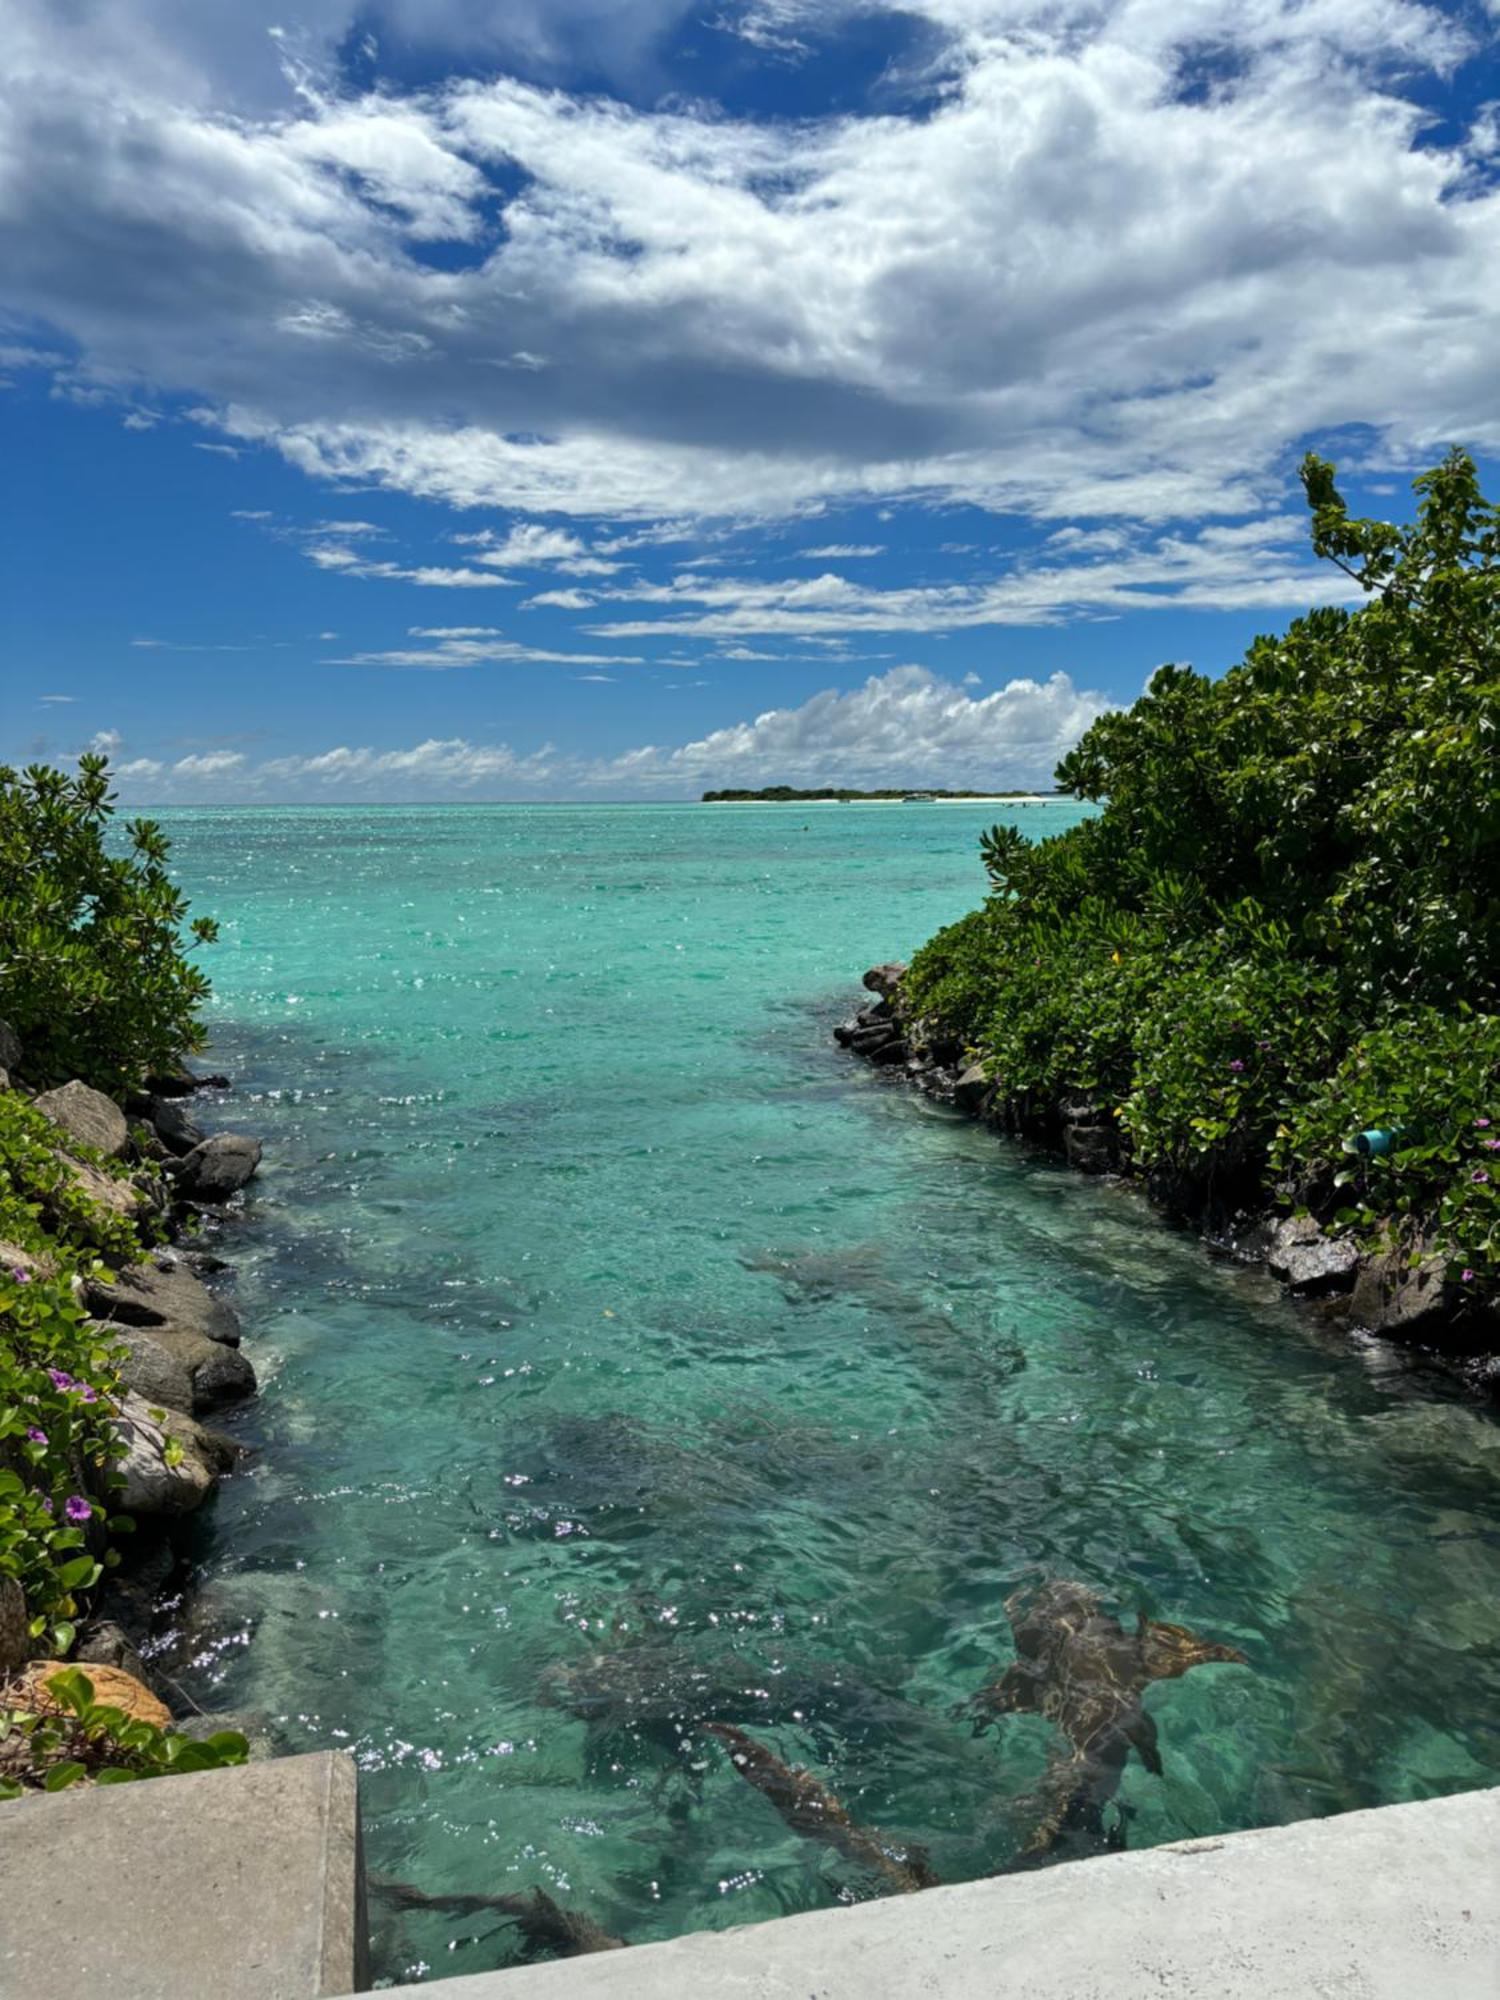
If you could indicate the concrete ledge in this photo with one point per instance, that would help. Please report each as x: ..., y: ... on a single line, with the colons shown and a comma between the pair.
x: 243, y: 1884
x: 1398, y: 1904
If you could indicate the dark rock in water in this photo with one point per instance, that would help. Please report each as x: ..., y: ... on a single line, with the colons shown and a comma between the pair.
x: 179, y: 1369
x: 1393, y: 1295
x: 887, y: 1054
x: 218, y: 1168
x: 846, y: 1030
x: 884, y: 979
x: 1310, y: 1262
x: 1089, y: 1148
x: 172, y: 1125
x: 86, y: 1115
x: 163, y: 1293
x: 865, y: 1040
x: 881, y: 1011
x: 10, y: 1047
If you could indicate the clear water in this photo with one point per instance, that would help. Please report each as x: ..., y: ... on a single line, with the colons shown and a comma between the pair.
x: 539, y: 1087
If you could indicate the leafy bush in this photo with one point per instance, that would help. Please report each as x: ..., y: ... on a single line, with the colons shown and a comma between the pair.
x: 93, y: 1739
x: 92, y: 973
x: 1283, y: 925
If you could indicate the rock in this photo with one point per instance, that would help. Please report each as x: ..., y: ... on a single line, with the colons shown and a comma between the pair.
x: 171, y: 1366
x: 10, y: 1047
x: 181, y: 1082
x: 218, y: 1168
x: 87, y: 1116
x: 865, y: 1041
x: 14, y: 1258
x: 111, y: 1684
x: 884, y: 979
x: 1089, y: 1148
x: 972, y: 1088
x: 1391, y: 1295
x: 152, y: 1486
x: 122, y: 1197
x: 163, y: 1293
x: 105, y: 1644
x: 4, y: 1078
x: 1310, y: 1262
x: 845, y: 1032
x: 15, y: 1641
x: 888, y: 1054
x: 172, y: 1125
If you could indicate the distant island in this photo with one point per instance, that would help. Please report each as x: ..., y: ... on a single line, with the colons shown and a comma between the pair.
x: 789, y: 795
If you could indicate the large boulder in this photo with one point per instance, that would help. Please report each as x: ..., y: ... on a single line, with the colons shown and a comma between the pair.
x: 172, y: 1366
x: 1310, y: 1262
x: 973, y: 1089
x: 160, y: 1482
x: 1394, y: 1295
x: 163, y: 1292
x: 218, y: 1168
x: 121, y: 1197
x: 15, y: 1640
x: 10, y: 1047
x: 87, y: 1116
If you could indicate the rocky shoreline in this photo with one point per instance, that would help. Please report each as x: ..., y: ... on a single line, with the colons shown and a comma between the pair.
x: 178, y: 1341
x: 1401, y: 1293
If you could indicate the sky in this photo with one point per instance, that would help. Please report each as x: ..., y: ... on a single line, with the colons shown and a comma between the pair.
x: 473, y: 399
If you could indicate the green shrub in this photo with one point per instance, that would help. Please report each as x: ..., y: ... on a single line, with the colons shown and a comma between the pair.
x: 92, y: 972
x: 94, y: 1739
x: 1284, y: 921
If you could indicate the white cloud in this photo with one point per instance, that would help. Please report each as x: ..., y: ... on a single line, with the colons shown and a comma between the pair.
x: 1119, y: 257
x: 474, y: 646
x: 559, y: 600
x: 840, y: 552
x: 905, y: 726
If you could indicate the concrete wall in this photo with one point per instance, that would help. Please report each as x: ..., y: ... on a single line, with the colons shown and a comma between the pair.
x: 1399, y: 1904
x: 244, y: 1884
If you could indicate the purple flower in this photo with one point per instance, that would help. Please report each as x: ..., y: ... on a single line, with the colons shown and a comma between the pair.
x: 1481, y: 1123
x: 87, y: 1393
x: 34, y: 1436
x: 21, y: 1277
x: 59, y: 1379
x: 1262, y: 1045
x: 1236, y: 1065
x: 47, y: 1504
x: 1492, y: 1145
x: 1466, y: 1277
x: 78, y: 1509
x: 1479, y: 1175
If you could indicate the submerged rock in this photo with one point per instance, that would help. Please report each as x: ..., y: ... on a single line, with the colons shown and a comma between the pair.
x: 163, y: 1293
x: 87, y: 1116
x: 218, y: 1168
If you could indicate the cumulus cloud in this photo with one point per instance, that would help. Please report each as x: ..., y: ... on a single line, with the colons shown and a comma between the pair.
x: 905, y: 726
x: 1108, y: 259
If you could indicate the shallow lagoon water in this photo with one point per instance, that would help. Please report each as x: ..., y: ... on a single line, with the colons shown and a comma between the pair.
x: 604, y: 1308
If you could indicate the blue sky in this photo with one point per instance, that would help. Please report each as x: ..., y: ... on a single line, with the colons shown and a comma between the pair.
x: 540, y: 400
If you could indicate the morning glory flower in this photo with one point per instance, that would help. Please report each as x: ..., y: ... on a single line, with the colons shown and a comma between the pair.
x: 34, y: 1436
x: 78, y: 1509
x: 60, y: 1379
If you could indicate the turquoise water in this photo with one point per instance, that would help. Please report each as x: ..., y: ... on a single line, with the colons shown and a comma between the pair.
x: 603, y: 1307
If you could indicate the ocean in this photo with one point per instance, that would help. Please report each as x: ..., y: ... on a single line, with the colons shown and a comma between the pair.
x: 628, y: 1350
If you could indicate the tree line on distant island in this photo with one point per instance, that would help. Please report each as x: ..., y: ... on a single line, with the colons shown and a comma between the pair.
x: 789, y: 795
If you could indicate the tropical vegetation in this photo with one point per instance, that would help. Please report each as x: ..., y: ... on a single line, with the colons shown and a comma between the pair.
x: 1282, y: 926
